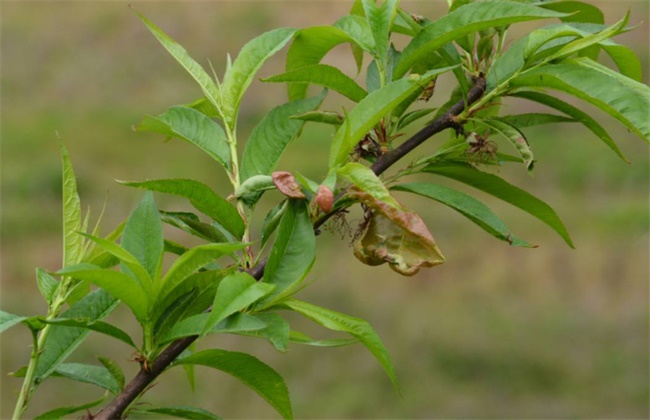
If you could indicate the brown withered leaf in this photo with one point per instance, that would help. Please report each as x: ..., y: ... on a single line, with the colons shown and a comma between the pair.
x: 395, y: 236
x: 286, y: 183
x: 324, y: 198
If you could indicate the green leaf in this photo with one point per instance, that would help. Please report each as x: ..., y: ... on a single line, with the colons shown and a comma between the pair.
x: 143, y: 238
x: 323, y: 75
x: 534, y: 119
x: 179, y: 411
x: 210, y: 89
x: 8, y: 320
x: 94, y: 325
x: 61, y: 412
x: 413, y: 116
x: 501, y: 189
x: 625, y: 99
x: 272, y: 220
x: 115, y: 371
x: 251, y: 371
x: 589, y: 40
x: 272, y: 135
x: 276, y: 330
x: 190, y: 261
x: 120, y: 285
x: 202, y: 198
x: 359, y: 31
x: 371, y: 110
x: 194, y: 325
x: 95, y: 375
x: 300, y: 338
x: 466, y: 205
x: 292, y: 255
x: 465, y: 20
x: 514, y: 136
x: 72, y: 242
x: 366, y: 180
x: 309, y: 46
x: 577, y: 11
x: 248, y: 62
x: 192, y: 126
x: 130, y: 264
x: 47, y: 285
x: 190, y: 223
x: 357, y: 327
x: 62, y: 341
x: 573, y: 112
x: 236, y: 292
x: 325, y: 117
x: 192, y: 296
x: 380, y: 20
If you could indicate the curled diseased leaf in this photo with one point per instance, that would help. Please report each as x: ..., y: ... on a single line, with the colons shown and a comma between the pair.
x: 324, y: 198
x: 397, y: 237
x: 287, y: 184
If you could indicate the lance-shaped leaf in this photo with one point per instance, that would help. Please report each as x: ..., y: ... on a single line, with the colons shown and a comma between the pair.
x: 300, y: 338
x: 95, y: 375
x: 178, y: 411
x: 72, y: 241
x: 191, y: 261
x: 505, y: 191
x: 195, y: 325
x: 192, y: 126
x: 577, y: 11
x: 323, y: 75
x: 577, y: 114
x: 236, y: 292
x: 130, y: 264
x: 395, y: 236
x: 251, y: 371
x: 202, y: 197
x: 62, y: 341
x: 47, y: 284
x: 208, y: 86
x: 292, y: 254
x: 466, y: 205
x: 61, y: 412
x: 380, y: 19
x: 120, y: 285
x: 143, y: 237
x: 371, y: 110
x: 357, y: 327
x: 359, y: 30
x: 8, y: 320
x: 625, y: 99
x: 465, y: 20
x: 251, y: 57
x: 533, y: 119
x: 309, y: 46
x: 325, y: 117
x: 276, y: 331
x: 272, y: 135
x: 366, y: 180
x: 115, y: 371
x: 94, y: 325
x: 190, y: 223
x: 514, y: 136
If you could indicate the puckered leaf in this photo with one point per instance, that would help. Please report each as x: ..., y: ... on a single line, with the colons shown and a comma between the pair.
x: 394, y: 236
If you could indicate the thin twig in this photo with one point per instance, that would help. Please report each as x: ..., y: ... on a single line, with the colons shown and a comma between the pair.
x: 139, y: 383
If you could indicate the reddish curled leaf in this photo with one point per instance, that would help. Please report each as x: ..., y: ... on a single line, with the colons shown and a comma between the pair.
x: 324, y: 198
x: 287, y: 184
x: 397, y: 237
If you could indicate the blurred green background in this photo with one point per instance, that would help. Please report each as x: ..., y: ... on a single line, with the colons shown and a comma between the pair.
x: 496, y: 332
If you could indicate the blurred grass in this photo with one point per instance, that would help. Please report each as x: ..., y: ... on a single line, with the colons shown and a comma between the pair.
x: 496, y: 332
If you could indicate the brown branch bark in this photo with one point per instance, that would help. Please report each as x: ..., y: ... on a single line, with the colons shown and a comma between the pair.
x: 144, y: 378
